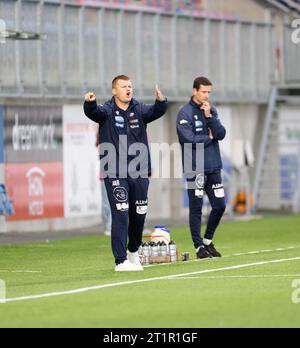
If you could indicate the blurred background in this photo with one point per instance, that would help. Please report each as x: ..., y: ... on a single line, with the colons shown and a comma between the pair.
x: 52, y: 52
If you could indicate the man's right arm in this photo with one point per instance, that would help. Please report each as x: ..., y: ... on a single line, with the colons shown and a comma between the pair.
x: 186, y: 133
x: 94, y: 112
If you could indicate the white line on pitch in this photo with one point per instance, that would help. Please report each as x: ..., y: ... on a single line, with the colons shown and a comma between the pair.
x: 239, y: 276
x: 97, y: 287
x: 264, y: 251
x: 18, y: 271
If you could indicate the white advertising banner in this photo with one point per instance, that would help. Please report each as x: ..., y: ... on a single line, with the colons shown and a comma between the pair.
x: 81, y: 164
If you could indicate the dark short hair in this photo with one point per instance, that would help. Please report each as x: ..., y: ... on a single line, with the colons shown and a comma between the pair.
x: 201, y: 81
x: 119, y: 77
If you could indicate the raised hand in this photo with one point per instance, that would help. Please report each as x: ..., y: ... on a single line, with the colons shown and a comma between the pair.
x: 159, y: 95
x: 90, y: 97
x: 207, y: 109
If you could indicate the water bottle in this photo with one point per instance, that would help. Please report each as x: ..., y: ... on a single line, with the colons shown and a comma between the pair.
x: 140, y: 251
x: 146, y: 253
x: 163, y: 249
x: 155, y: 249
x: 150, y: 248
x: 173, y: 251
x: 168, y: 249
x: 158, y: 248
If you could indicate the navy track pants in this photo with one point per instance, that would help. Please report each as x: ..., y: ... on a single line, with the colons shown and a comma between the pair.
x: 128, y: 199
x: 212, y: 185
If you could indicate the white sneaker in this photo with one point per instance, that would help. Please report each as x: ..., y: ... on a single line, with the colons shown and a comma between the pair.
x: 134, y: 258
x: 127, y: 266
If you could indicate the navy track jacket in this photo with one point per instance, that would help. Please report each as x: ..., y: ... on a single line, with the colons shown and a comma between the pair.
x: 132, y: 123
x: 192, y: 128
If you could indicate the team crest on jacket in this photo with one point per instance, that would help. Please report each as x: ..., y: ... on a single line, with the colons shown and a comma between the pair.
x: 119, y: 119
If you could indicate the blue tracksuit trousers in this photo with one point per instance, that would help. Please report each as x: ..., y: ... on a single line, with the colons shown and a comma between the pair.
x: 128, y: 199
x: 212, y: 185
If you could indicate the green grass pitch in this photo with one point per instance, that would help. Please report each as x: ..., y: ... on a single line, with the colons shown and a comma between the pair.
x: 253, y: 285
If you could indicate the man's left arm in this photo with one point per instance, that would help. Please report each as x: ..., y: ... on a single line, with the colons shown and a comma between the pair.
x: 154, y: 111
x: 215, y: 125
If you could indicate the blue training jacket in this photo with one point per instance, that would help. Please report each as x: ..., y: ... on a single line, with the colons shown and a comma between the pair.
x: 192, y: 128
x: 132, y: 123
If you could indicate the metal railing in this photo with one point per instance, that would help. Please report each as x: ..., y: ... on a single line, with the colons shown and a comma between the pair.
x: 87, y: 46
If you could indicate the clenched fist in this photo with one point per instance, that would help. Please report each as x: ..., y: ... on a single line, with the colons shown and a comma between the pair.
x: 90, y: 97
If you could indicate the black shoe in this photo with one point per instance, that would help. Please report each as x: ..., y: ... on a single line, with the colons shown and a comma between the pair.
x: 212, y: 250
x: 202, y: 253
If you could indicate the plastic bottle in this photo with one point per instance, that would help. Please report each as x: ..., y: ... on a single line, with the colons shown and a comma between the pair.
x: 163, y: 249
x: 146, y: 254
x: 140, y: 251
x: 155, y: 249
x: 150, y: 244
x: 158, y: 248
x: 173, y: 251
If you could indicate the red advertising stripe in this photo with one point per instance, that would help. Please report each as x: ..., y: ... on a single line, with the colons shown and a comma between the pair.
x: 36, y: 190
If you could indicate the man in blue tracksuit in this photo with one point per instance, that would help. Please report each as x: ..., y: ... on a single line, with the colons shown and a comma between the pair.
x: 198, y: 123
x: 125, y: 161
